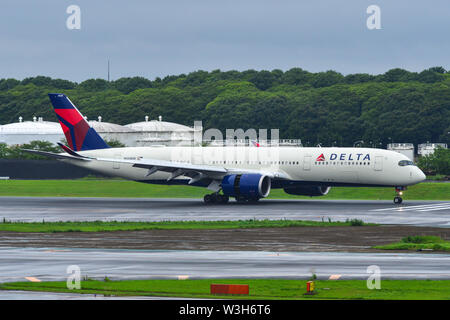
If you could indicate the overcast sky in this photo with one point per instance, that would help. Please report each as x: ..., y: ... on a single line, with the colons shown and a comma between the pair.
x: 158, y: 38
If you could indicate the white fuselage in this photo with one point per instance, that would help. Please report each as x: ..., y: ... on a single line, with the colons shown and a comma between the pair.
x: 328, y: 166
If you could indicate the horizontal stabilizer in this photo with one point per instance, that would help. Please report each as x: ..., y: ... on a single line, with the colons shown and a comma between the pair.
x: 54, y: 155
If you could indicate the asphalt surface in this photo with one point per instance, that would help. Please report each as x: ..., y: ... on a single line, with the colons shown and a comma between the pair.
x: 48, y: 264
x: 418, y: 213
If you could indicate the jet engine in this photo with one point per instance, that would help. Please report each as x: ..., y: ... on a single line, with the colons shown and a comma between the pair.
x: 312, y: 191
x: 246, y: 186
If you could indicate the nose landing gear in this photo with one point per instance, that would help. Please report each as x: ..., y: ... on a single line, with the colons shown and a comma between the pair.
x: 399, y: 190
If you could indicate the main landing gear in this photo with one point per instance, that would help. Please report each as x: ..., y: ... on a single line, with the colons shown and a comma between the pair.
x: 399, y: 190
x: 215, y: 198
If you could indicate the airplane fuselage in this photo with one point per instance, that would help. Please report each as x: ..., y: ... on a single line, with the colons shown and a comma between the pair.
x: 316, y: 166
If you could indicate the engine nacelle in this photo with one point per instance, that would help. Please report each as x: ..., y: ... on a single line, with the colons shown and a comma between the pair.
x: 247, y: 186
x: 312, y: 191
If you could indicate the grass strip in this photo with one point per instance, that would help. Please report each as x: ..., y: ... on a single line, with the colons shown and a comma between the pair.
x: 259, y: 288
x: 102, y: 226
x: 416, y: 243
x: 131, y: 189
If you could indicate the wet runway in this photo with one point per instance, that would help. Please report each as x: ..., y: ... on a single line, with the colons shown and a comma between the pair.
x: 51, y: 264
x: 419, y: 213
x: 30, y: 295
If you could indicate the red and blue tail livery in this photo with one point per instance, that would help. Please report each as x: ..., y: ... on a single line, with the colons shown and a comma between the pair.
x: 80, y: 136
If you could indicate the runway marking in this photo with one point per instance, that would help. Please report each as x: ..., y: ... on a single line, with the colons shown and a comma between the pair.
x: 335, y: 277
x: 436, y: 208
x: 183, y: 277
x: 422, y: 208
x: 32, y: 279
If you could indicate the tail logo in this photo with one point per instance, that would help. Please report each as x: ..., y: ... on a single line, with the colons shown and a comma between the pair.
x: 80, y: 136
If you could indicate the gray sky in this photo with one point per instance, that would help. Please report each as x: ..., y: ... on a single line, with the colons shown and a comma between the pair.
x: 159, y: 38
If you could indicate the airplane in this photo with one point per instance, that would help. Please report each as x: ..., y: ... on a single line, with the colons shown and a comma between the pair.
x: 246, y: 173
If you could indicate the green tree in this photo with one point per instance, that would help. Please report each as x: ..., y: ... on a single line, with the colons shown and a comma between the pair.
x: 437, y: 162
x: 296, y: 76
x: 16, y: 151
x: 429, y: 76
x: 114, y: 143
x: 127, y: 85
x: 397, y: 74
x: 94, y: 85
x: 326, y: 79
x: 437, y: 70
x: 263, y: 80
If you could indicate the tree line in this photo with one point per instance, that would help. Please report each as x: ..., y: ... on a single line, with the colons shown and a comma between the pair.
x: 324, y: 107
x: 16, y: 151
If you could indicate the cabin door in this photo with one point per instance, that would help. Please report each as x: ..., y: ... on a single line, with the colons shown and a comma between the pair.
x: 307, y: 163
x: 378, y: 163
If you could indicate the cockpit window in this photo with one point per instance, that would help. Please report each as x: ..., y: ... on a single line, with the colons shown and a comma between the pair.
x: 403, y: 163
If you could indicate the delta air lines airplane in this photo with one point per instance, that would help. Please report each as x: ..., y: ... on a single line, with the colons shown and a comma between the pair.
x: 245, y: 173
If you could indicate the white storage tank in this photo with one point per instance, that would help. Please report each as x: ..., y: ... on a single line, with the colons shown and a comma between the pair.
x: 425, y: 149
x: 158, y: 132
x: 406, y: 149
x: 26, y: 131
x: 111, y: 131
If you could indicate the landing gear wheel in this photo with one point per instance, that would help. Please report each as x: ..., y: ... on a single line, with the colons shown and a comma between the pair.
x: 207, y: 199
x: 398, y: 200
x: 215, y: 198
x: 222, y: 198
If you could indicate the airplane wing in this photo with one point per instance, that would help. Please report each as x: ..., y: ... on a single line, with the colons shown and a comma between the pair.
x: 195, y: 172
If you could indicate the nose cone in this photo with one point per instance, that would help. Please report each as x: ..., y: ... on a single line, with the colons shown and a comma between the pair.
x: 419, y: 176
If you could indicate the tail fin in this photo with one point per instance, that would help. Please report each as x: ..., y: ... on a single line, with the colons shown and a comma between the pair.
x: 80, y: 136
